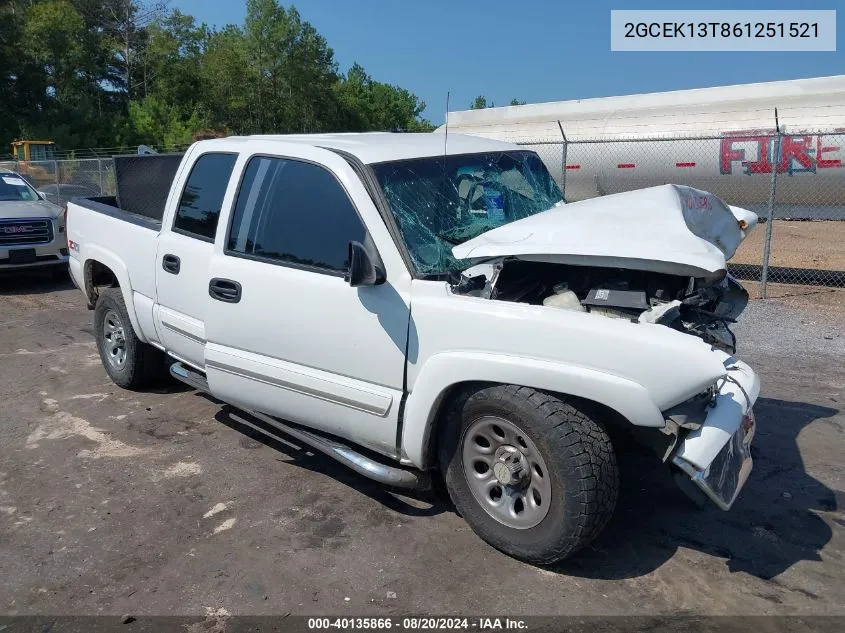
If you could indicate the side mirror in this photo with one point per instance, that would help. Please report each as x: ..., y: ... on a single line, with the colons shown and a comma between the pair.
x: 365, y: 268
x: 41, y: 195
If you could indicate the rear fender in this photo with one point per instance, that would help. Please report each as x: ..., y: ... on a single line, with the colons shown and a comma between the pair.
x: 445, y: 370
x: 113, y: 262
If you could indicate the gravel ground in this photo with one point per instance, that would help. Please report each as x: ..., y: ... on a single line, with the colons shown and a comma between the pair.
x: 779, y: 327
x: 114, y: 502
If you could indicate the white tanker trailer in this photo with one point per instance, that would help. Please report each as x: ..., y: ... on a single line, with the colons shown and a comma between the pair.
x: 715, y: 139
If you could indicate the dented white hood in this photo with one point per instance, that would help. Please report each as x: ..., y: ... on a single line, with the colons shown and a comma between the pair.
x: 671, y: 229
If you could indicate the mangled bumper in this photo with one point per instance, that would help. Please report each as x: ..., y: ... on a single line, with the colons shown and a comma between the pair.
x: 717, y: 456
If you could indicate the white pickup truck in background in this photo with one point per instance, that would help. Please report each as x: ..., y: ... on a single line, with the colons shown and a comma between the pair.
x: 407, y: 310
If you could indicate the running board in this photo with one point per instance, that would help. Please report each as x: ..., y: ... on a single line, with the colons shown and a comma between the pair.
x: 368, y: 467
x: 190, y: 377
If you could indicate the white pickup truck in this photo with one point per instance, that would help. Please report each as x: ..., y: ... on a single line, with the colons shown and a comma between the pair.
x: 409, y: 304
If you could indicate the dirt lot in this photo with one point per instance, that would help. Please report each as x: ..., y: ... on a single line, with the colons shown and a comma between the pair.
x: 162, y: 503
x: 818, y: 245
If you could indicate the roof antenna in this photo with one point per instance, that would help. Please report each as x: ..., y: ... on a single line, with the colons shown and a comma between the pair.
x: 446, y: 134
x: 443, y: 180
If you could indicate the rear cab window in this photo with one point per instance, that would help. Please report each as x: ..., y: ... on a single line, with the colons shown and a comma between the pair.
x: 202, y: 198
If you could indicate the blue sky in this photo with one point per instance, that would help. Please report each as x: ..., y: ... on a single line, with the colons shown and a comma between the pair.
x: 534, y: 50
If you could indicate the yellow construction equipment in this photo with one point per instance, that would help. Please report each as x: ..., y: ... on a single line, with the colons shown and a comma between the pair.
x: 33, y: 150
x: 34, y: 161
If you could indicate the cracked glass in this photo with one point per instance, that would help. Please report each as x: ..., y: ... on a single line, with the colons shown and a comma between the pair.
x: 439, y: 202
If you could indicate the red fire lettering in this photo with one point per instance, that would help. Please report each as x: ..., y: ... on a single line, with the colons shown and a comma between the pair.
x: 729, y: 155
x: 826, y: 163
x: 795, y: 148
x: 763, y: 164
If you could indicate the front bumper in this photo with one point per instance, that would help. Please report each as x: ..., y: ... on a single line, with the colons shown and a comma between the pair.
x: 717, y: 456
x: 48, y: 254
x: 42, y: 261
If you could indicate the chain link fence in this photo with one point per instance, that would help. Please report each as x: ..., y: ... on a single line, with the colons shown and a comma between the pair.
x: 62, y: 180
x: 794, y: 182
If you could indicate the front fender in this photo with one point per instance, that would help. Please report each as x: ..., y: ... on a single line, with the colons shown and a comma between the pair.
x: 108, y: 258
x: 444, y: 370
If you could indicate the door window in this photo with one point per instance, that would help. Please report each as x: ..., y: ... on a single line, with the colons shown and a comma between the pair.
x: 202, y: 198
x: 294, y: 213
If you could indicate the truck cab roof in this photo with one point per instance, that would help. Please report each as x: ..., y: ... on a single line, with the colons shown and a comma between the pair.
x: 378, y: 147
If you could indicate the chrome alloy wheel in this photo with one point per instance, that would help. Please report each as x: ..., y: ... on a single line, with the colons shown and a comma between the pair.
x: 114, y: 340
x: 506, y: 473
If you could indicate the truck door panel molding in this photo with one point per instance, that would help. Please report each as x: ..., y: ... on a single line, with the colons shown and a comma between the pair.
x: 181, y: 332
x: 305, y: 380
x: 182, y: 324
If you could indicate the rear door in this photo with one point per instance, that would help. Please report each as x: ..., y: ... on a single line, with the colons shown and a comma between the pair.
x: 287, y: 335
x: 184, y: 254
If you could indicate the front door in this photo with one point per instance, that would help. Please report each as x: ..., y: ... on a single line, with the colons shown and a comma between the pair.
x: 287, y: 335
x: 183, y: 259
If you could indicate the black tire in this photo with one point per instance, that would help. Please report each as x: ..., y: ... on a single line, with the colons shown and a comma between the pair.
x: 143, y: 363
x: 577, y: 453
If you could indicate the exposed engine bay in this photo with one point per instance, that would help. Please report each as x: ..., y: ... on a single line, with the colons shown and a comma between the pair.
x: 703, y: 307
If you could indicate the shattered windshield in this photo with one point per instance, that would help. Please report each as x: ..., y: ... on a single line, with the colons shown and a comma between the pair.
x: 439, y: 202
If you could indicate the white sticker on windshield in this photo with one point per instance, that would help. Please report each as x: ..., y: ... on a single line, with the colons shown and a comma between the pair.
x: 14, y: 180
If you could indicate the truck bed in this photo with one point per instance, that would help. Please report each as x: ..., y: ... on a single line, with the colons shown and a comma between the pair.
x: 124, y: 241
x: 108, y: 205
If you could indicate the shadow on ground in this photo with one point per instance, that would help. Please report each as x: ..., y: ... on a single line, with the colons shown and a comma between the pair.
x: 26, y: 282
x: 408, y: 503
x: 772, y: 525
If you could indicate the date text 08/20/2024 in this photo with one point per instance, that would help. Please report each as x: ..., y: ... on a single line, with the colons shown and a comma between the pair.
x: 418, y: 623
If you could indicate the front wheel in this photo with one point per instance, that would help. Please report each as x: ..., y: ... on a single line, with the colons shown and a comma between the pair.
x: 533, y: 475
x: 129, y: 362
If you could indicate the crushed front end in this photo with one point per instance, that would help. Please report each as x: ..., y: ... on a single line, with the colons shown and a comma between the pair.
x: 713, y: 446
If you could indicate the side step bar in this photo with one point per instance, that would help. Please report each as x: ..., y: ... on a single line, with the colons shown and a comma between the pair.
x: 368, y: 467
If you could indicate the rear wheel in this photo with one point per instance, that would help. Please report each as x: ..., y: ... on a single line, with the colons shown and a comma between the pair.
x: 129, y: 362
x: 533, y: 475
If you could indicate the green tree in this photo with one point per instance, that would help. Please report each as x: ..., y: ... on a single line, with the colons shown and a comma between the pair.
x: 51, y: 37
x: 124, y: 30
x: 371, y: 105
x: 479, y: 103
x: 62, y: 78
x: 227, y: 82
x: 16, y: 80
x: 171, y: 60
x: 159, y: 123
x: 292, y: 68
x: 94, y: 73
